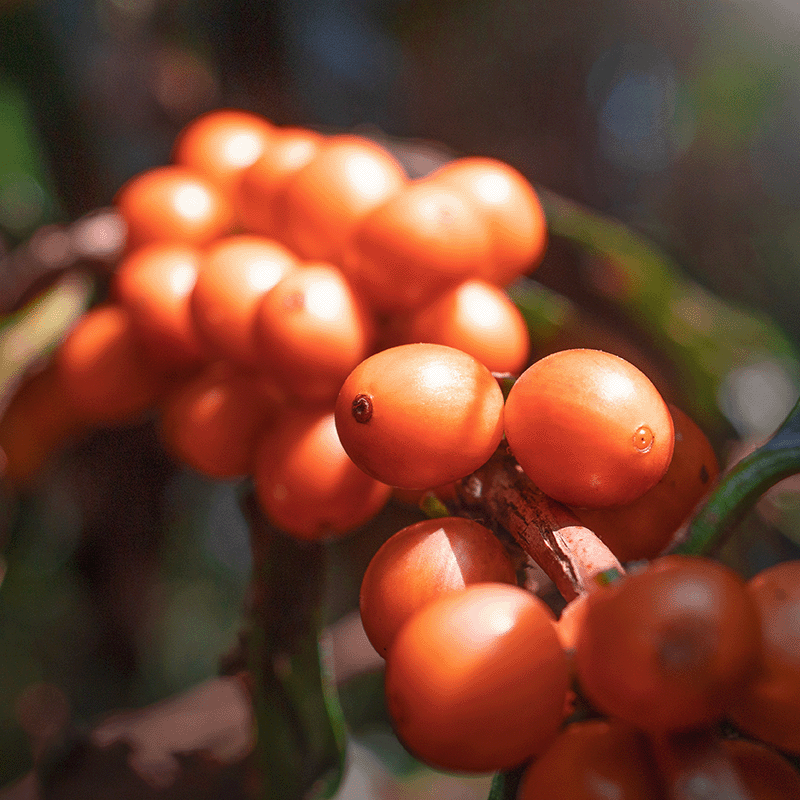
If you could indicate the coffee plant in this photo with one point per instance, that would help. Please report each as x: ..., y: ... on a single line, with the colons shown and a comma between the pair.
x: 365, y: 353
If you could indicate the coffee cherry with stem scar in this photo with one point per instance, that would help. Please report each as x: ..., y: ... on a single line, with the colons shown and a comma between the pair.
x: 420, y: 415
x: 475, y: 317
x: 305, y: 482
x: 769, y: 707
x: 172, y: 204
x: 476, y: 680
x: 669, y: 648
x: 155, y: 283
x: 222, y: 144
x: 422, y: 562
x: 312, y: 331
x: 589, y: 428
x: 644, y: 528
x: 509, y: 203
x: 235, y: 273
x: 594, y: 760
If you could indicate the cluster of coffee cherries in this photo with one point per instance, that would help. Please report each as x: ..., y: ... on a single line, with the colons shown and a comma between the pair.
x: 261, y: 267
x: 294, y: 307
x: 481, y: 676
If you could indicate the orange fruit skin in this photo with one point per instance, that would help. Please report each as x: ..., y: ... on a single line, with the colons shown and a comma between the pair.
x: 476, y: 680
x: 104, y: 370
x: 479, y: 319
x: 769, y: 708
x: 213, y: 421
x: 221, y: 144
x: 38, y: 420
x: 172, y: 204
x: 423, y: 240
x: 322, y: 202
x: 644, y: 528
x: 235, y: 273
x: 155, y: 283
x: 436, y: 415
x: 767, y: 775
x: 668, y: 648
x: 512, y: 208
x: 594, y: 760
x: 261, y: 183
x: 312, y: 331
x: 589, y: 428
x: 422, y: 562
x: 305, y: 482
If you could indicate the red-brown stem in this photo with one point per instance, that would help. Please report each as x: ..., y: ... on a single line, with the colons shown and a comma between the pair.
x: 570, y: 554
x: 695, y: 766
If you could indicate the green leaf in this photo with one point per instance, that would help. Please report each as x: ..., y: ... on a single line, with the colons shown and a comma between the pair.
x: 301, y: 728
x: 498, y: 790
x: 505, y: 785
x: 742, y: 487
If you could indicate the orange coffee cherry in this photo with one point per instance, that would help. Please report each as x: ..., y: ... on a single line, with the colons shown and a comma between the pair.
x: 644, y: 528
x: 769, y: 707
x: 172, y: 204
x: 155, y: 282
x: 420, y: 242
x: 105, y: 373
x: 594, y: 760
x: 306, y: 484
x: 222, y: 144
x: 476, y: 680
x: 669, y: 648
x: 479, y: 319
x: 323, y: 201
x: 213, y: 421
x: 420, y: 415
x: 262, y: 182
x: 512, y: 208
x: 38, y: 420
x: 589, y: 428
x: 235, y: 274
x: 422, y: 562
x: 312, y: 331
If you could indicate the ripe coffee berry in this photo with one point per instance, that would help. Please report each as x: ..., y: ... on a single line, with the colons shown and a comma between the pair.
x: 477, y: 680
x: 589, y: 428
x: 670, y: 647
x: 420, y: 415
x: 422, y: 562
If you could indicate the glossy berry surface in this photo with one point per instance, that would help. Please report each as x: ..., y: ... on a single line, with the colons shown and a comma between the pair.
x: 305, y: 482
x: 589, y: 428
x: 172, y: 204
x: 422, y: 562
x: 769, y: 708
x: 644, y: 528
x: 420, y: 415
x: 668, y: 648
x: 476, y: 681
x: 594, y: 760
